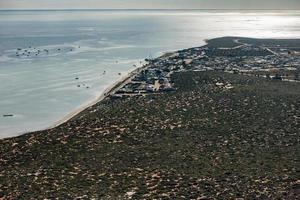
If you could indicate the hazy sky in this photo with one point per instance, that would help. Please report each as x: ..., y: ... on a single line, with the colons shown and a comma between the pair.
x: 150, y: 4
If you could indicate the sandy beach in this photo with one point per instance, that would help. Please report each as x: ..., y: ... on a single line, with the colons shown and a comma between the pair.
x: 111, y: 89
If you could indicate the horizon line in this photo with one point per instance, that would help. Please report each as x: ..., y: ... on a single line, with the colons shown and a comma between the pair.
x: 120, y: 9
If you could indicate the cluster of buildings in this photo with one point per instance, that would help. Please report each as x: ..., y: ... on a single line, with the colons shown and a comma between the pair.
x: 153, y: 78
x: 246, y: 59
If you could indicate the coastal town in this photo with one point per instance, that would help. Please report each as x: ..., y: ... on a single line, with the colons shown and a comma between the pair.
x: 214, y: 122
x: 230, y: 55
x: 270, y: 61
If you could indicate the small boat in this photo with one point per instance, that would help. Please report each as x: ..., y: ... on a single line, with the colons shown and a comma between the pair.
x: 10, y: 115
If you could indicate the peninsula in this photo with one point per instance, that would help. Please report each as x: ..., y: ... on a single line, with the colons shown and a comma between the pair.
x: 219, y: 121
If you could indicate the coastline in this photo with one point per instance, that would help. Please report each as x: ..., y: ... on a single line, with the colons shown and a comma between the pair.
x: 170, y: 142
x: 108, y: 91
x: 111, y: 89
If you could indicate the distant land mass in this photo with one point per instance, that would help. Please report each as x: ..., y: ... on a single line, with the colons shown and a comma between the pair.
x: 219, y: 121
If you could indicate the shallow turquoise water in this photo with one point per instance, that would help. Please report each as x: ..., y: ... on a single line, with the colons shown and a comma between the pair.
x: 41, y: 89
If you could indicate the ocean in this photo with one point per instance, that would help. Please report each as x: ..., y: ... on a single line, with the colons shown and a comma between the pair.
x: 53, y: 62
